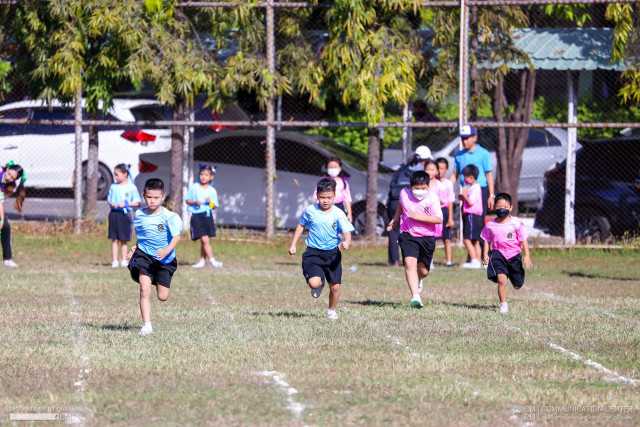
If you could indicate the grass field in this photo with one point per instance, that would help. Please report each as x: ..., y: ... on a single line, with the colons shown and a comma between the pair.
x: 247, y: 344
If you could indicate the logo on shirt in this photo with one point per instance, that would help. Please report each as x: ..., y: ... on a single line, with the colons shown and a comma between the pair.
x: 427, y: 210
x: 126, y: 195
x: 510, y: 236
x: 160, y: 227
x: 335, y: 224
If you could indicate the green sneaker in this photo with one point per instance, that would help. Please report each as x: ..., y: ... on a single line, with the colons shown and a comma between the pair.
x: 416, y: 302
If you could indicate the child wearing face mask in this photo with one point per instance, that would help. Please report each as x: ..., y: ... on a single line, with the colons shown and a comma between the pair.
x: 343, y: 192
x: 507, y: 237
x: 418, y: 213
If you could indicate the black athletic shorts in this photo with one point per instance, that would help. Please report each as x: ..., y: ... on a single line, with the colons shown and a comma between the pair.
x: 512, y: 267
x: 446, y: 231
x: 160, y: 274
x: 202, y: 225
x: 119, y: 225
x: 417, y: 247
x: 472, y: 226
x: 323, y: 264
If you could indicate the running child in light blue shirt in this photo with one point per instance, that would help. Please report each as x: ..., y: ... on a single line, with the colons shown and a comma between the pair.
x: 202, y: 199
x: 153, y: 260
x: 322, y: 256
x: 122, y: 198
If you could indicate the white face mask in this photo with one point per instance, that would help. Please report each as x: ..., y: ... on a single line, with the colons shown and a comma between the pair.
x: 333, y: 172
x: 420, y: 194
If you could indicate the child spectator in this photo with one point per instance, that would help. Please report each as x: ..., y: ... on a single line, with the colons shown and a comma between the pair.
x: 472, y: 222
x: 431, y: 168
x: 153, y: 259
x: 418, y: 212
x: 507, y: 237
x: 447, y: 198
x: 122, y: 198
x: 202, y: 199
x: 343, y: 192
x: 322, y: 258
x: 8, y: 187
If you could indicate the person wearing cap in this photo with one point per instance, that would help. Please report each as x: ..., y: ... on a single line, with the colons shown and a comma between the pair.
x: 400, y: 180
x: 474, y: 154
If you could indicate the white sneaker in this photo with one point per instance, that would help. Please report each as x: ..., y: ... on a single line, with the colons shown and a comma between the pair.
x: 416, y: 302
x: 449, y: 264
x: 431, y: 267
x: 504, y: 309
x: 420, y: 286
x: 124, y: 263
x: 146, y: 330
x: 9, y: 263
x: 316, y: 292
x: 199, y: 264
x: 115, y: 264
x: 474, y: 264
x: 216, y: 264
x: 332, y: 314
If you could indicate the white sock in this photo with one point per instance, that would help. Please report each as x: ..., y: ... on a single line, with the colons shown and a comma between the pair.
x: 416, y: 296
x: 146, y: 325
x: 504, y: 304
x: 211, y: 260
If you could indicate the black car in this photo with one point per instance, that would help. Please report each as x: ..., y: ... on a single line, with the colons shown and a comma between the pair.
x: 607, y: 200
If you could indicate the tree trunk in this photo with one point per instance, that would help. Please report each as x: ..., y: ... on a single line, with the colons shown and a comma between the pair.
x: 177, y: 141
x: 91, y: 192
x: 373, y: 159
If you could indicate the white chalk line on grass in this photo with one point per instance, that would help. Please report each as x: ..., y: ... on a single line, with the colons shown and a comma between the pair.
x: 296, y: 408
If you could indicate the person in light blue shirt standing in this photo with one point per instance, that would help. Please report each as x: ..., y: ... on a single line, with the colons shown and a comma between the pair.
x: 122, y: 198
x: 202, y: 199
x: 323, y: 258
x: 153, y: 259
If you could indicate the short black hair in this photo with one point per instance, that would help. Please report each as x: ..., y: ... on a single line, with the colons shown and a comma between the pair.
x: 503, y: 196
x: 326, y: 184
x: 442, y: 160
x: 471, y: 170
x: 419, y: 178
x: 153, y: 184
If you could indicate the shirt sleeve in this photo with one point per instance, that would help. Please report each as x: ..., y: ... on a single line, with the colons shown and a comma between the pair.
x: 174, y: 223
x: 343, y: 223
x: 486, y: 233
x: 435, y: 208
x: 135, y: 195
x: 109, y: 196
x: 305, y: 219
x: 487, y: 162
x: 451, y: 194
x: 475, y: 195
x: 214, y: 196
x: 521, y: 232
x: 191, y: 194
x: 347, y: 191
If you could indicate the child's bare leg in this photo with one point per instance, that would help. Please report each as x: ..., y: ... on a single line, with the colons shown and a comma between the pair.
x: 502, y: 287
x: 447, y: 250
x: 470, y: 248
x: 123, y: 249
x: 315, y: 282
x: 334, y: 295
x: 145, y: 293
x: 422, y: 271
x: 114, y: 250
x: 476, y: 245
x: 163, y: 292
x: 206, y: 247
x: 411, y: 272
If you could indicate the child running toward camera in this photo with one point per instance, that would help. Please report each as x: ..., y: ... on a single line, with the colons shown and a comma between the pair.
x: 153, y: 259
x: 507, y: 237
x: 9, y: 187
x: 322, y: 258
x: 343, y: 192
x: 418, y: 213
x: 122, y: 198
x: 447, y: 198
x: 472, y: 222
x: 202, y: 199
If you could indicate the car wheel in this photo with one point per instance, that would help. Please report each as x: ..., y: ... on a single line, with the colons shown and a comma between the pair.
x: 592, y: 226
x: 359, y: 222
x: 104, y: 180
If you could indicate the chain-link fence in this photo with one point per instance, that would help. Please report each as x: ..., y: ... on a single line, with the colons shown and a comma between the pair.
x: 523, y: 113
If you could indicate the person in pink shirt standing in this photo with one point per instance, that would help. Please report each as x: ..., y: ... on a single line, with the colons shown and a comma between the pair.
x: 472, y: 222
x: 431, y: 168
x: 418, y: 212
x: 343, y: 192
x: 507, y: 237
x: 447, y: 199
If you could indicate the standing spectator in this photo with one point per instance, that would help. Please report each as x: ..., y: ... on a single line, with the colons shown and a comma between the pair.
x: 474, y: 154
x: 402, y: 179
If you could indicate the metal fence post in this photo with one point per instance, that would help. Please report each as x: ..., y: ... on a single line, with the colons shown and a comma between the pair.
x: 78, y: 153
x: 270, y: 154
x: 187, y: 175
x: 570, y: 184
x: 463, y: 75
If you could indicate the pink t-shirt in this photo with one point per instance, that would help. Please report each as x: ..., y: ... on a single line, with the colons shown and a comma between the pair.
x: 505, y: 237
x: 343, y: 192
x: 475, y: 197
x: 446, y: 193
x: 430, y: 205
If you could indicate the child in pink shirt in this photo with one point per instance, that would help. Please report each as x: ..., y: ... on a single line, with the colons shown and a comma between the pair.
x: 505, y: 235
x: 447, y: 199
x: 343, y: 192
x: 418, y: 213
x: 472, y: 222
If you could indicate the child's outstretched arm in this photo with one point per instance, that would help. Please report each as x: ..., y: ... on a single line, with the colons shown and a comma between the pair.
x: 132, y: 251
x: 396, y: 218
x: 162, y: 253
x: 429, y: 219
x: 485, y: 253
x: 294, y: 240
x: 527, y: 255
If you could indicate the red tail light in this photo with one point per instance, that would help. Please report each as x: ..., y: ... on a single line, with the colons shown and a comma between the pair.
x: 146, y: 167
x: 219, y: 128
x: 555, y: 175
x: 138, y: 136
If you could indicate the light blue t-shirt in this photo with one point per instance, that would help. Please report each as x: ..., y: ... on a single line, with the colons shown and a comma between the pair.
x: 196, y: 192
x: 324, y: 227
x: 120, y: 193
x: 479, y: 157
x: 154, y: 232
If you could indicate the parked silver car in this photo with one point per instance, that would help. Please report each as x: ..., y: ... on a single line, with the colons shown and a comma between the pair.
x: 545, y: 148
x: 240, y: 177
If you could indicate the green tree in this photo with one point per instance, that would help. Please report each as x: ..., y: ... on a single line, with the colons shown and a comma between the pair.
x: 626, y: 46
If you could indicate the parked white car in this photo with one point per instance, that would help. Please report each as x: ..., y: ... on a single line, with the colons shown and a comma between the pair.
x: 239, y: 157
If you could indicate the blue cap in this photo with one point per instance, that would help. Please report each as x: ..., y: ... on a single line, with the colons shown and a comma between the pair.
x: 467, y: 131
